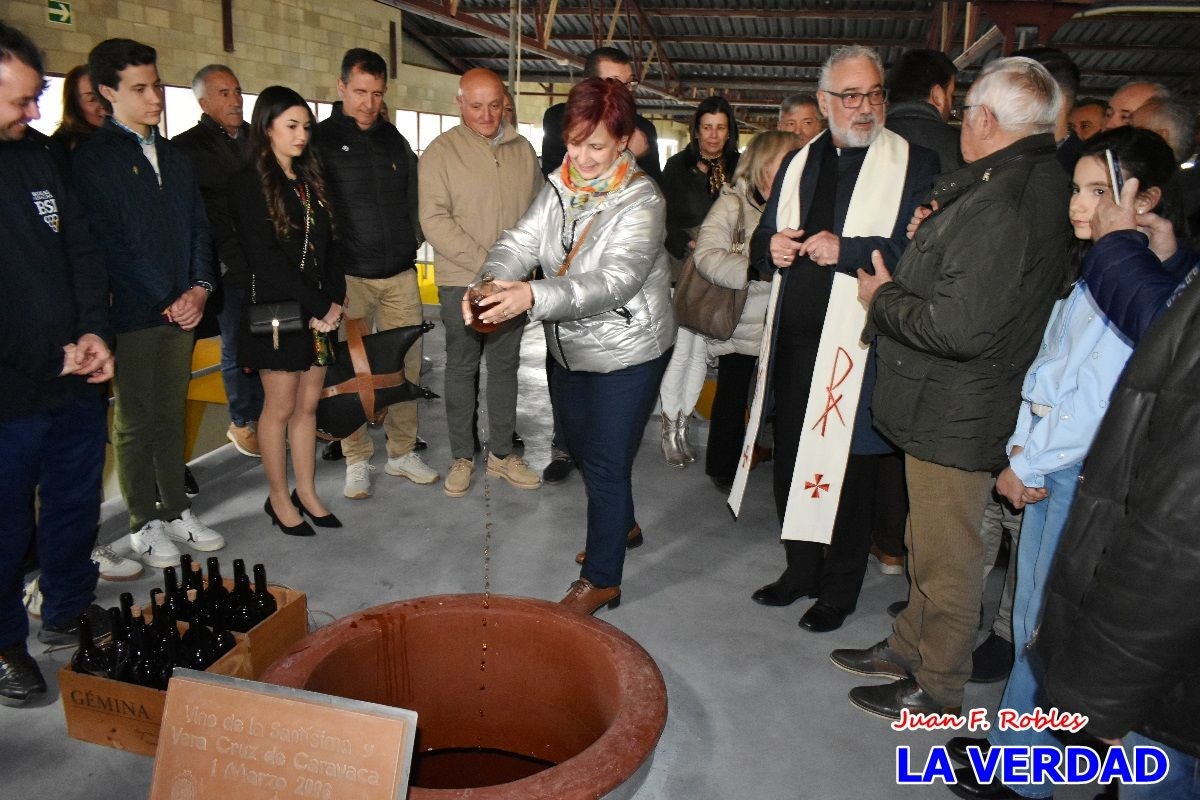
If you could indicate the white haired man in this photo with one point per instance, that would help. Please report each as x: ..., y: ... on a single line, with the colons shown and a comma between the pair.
x: 956, y: 331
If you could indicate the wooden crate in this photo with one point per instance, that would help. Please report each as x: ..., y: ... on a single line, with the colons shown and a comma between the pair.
x: 127, y: 716
x: 275, y: 635
x: 124, y: 715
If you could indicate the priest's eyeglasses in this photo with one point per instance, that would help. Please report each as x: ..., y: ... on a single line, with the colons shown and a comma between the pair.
x: 875, y: 97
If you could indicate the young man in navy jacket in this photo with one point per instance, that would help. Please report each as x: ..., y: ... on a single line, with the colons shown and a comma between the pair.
x: 147, y: 214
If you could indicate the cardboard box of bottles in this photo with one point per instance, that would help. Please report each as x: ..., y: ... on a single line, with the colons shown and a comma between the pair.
x: 127, y: 716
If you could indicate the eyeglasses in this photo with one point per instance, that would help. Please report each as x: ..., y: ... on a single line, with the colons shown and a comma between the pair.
x: 875, y: 97
x: 630, y: 84
x: 960, y: 112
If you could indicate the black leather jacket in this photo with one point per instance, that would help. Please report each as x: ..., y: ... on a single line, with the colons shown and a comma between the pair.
x: 1120, y: 636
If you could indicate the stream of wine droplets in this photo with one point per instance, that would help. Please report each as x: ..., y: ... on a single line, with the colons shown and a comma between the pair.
x: 487, y: 584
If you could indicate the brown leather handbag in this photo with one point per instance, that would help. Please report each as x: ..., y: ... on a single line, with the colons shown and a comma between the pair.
x: 704, y: 307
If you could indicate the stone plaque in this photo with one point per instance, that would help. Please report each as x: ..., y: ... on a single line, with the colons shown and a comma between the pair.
x: 236, y: 739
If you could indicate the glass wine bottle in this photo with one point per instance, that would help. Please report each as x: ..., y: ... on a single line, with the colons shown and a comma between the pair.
x: 264, y: 601
x: 242, y: 612
x: 88, y: 659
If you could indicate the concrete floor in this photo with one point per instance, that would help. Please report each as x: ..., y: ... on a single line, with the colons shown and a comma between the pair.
x: 756, y: 708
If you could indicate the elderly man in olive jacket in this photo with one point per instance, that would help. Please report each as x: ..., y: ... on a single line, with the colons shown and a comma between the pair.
x: 957, y: 331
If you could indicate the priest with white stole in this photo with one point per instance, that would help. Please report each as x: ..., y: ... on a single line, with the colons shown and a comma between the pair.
x: 849, y: 192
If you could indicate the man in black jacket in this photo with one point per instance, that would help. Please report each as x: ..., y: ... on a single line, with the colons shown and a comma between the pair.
x: 372, y: 175
x: 53, y: 352
x: 921, y: 94
x: 957, y: 330
x: 146, y: 212
x: 611, y: 64
x: 217, y: 146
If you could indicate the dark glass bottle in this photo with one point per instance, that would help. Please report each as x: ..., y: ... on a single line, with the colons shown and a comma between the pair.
x: 195, y: 580
x: 215, y: 587
x: 146, y: 669
x: 126, y: 613
x: 223, y: 639
x: 198, y: 647
x: 242, y: 611
x: 168, y: 632
x: 175, y: 598
x: 88, y: 658
x: 171, y: 659
x: 239, y: 568
x: 264, y: 601
x: 118, y: 651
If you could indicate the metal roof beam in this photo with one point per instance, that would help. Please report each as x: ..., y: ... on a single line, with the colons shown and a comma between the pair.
x: 737, y: 13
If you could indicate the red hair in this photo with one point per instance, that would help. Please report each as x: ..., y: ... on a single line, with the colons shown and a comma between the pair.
x: 594, y: 102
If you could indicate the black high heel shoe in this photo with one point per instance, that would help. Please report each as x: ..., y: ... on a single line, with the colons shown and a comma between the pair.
x: 327, y: 521
x: 302, y: 529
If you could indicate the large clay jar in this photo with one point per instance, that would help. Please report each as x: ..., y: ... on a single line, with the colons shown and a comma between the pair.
x: 550, y: 685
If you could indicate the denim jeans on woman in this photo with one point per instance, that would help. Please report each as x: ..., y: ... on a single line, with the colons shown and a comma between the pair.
x: 1041, y: 530
x: 604, y: 416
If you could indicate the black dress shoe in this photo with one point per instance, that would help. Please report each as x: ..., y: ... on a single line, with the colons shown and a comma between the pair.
x: 68, y: 633
x: 823, y: 617
x: 420, y: 444
x: 968, y: 786
x: 724, y: 485
x: 190, y: 487
x: 332, y: 451
x: 992, y: 660
x: 559, y: 468
x: 20, y: 678
x: 327, y: 521
x: 895, y: 608
x: 887, y: 699
x: 877, y: 661
x: 780, y: 593
x: 301, y: 529
x: 518, y: 443
x: 957, y: 747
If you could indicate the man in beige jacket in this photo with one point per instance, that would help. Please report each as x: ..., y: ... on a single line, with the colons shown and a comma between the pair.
x: 475, y: 181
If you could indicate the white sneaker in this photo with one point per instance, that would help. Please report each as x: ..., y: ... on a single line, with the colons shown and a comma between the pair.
x: 189, y: 530
x: 113, y: 567
x: 412, y: 467
x: 153, y: 546
x: 32, y: 598
x: 358, y: 480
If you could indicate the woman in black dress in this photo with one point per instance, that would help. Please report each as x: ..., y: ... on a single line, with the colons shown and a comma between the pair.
x: 279, y: 209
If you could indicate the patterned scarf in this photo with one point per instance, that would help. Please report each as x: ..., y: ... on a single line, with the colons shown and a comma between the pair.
x: 586, y: 193
x: 716, y: 173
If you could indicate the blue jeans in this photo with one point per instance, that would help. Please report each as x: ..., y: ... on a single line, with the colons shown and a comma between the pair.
x: 1041, y: 530
x: 1183, y: 774
x: 603, y: 417
x: 59, y: 455
x: 244, y: 392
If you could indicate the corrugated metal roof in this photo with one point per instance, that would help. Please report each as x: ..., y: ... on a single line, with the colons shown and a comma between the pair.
x: 757, y: 51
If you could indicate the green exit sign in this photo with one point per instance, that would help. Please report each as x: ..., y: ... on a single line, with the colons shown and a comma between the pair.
x: 59, y: 12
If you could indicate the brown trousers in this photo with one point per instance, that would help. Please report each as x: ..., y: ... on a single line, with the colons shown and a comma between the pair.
x: 936, y: 633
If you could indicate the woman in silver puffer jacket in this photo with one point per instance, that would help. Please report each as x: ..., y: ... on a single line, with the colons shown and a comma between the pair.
x: 597, y: 230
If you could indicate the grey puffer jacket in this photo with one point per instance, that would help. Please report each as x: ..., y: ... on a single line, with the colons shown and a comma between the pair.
x: 612, y: 309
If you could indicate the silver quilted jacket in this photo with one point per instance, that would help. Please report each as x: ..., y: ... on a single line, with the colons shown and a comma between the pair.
x: 613, y: 307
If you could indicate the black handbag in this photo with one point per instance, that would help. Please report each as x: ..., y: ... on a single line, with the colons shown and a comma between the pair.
x: 272, y: 319
x: 366, y: 377
x: 704, y: 307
